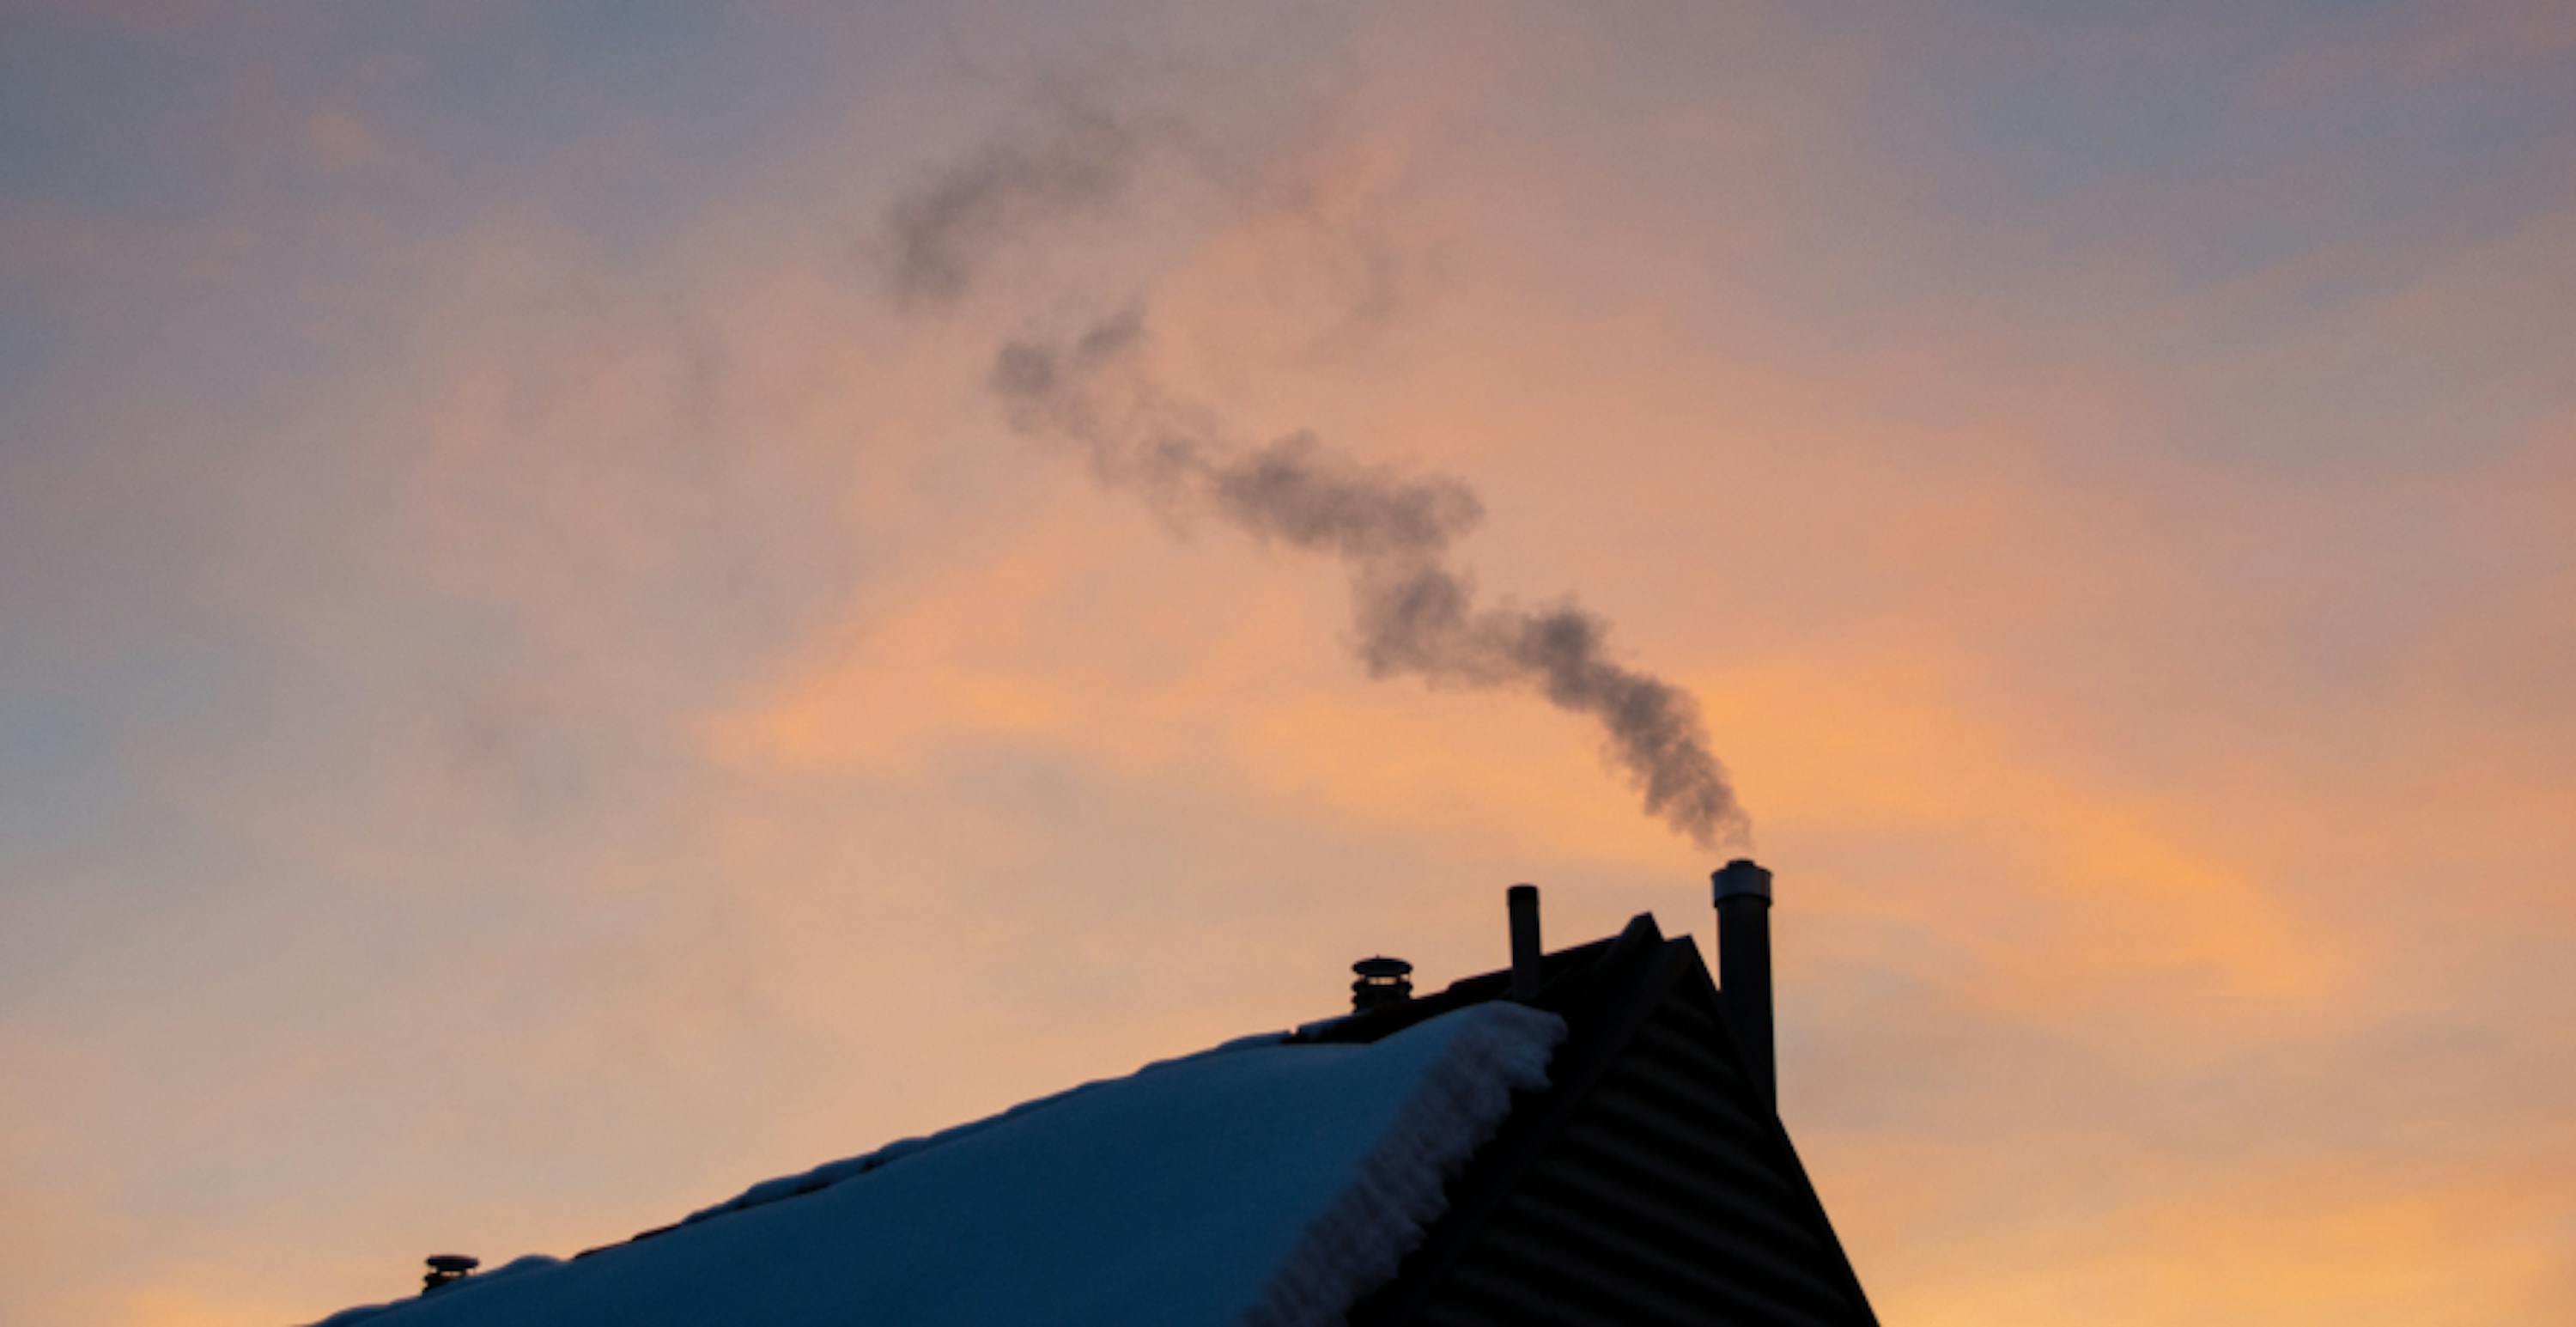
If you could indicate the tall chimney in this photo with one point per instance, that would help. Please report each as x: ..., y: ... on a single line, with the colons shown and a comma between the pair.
x: 1522, y: 900
x: 1744, y: 967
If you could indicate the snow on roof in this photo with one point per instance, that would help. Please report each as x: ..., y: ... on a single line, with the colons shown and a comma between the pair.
x: 1263, y: 1182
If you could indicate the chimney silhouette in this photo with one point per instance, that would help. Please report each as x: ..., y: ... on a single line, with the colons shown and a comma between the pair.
x: 1382, y: 981
x: 1743, y: 893
x: 447, y: 1269
x: 1522, y: 901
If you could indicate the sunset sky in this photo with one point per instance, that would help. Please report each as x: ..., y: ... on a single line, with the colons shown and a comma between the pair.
x: 539, y: 683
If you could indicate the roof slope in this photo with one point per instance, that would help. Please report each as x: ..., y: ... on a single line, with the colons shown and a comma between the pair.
x: 1268, y: 1181
x: 1651, y: 1183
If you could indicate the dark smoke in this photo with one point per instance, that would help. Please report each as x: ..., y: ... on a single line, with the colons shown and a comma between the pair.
x: 940, y: 234
x: 1413, y: 612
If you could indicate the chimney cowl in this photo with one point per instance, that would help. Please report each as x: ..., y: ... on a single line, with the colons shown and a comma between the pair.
x: 1742, y: 877
x: 447, y: 1269
x: 1381, y: 981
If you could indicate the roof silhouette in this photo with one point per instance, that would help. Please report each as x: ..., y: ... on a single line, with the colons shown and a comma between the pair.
x: 1593, y: 1152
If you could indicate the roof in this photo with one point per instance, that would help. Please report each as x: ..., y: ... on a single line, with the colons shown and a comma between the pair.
x: 1269, y: 1180
x: 1651, y: 1182
x: 1595, y: 1153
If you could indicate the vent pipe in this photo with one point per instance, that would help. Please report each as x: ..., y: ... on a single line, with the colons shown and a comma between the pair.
x: 1744, y: 968
x: 1381, y: 981
x: 1522, y: 900
x: 447, y: 1269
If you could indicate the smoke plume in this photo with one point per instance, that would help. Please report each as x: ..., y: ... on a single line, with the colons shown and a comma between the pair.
x: 940, y: 233
x: 1414, y: 611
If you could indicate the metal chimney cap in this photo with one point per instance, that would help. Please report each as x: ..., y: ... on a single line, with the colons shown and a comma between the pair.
x: 446, y: 1269
x: 1740, y: 878
x: 1382, y: 981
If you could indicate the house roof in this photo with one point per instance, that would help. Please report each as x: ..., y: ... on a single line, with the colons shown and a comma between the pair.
x: 1594, y: 1153
x: 1270, y: 1180
x: 1651, y: 1182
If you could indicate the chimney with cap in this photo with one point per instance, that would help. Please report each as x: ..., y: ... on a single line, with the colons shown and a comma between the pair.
x: 1744, y: 967
x: 1382, y: 981
x: 447, y: 1269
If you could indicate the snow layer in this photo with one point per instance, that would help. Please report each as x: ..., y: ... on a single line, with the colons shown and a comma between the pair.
x: 1263, y: 1182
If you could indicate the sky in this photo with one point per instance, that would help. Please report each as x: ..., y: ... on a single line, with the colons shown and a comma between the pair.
x: 545, y: 673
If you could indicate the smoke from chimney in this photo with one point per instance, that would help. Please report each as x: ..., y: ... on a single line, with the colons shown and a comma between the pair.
x: 940, y: 232
x: 1414, y: 610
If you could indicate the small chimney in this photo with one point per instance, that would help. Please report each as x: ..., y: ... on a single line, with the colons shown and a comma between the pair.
x: 445, y: 1268
x: 1522, y: 900
x: 1382, y: 981
x: 1744, y: 967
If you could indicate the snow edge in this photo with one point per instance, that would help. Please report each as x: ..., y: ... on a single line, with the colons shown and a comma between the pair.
x: 1356, y: 1244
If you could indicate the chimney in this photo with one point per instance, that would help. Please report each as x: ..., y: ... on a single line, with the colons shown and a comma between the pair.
x: 1522, y: 900
x: 447, y: 1269
x: 1744, y: 967
x: 1382, y: 981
